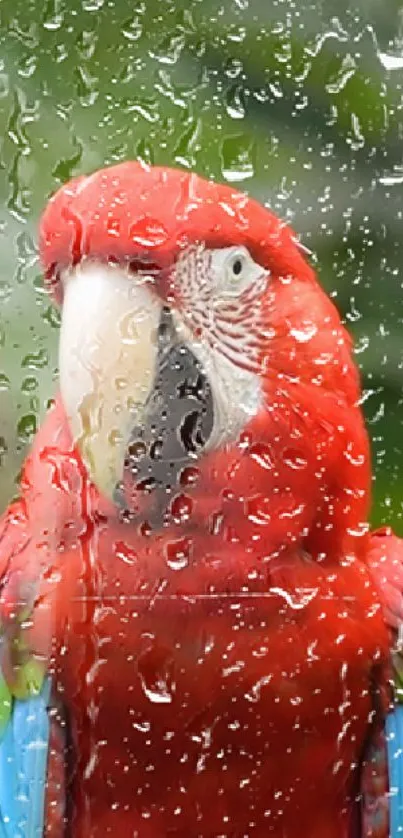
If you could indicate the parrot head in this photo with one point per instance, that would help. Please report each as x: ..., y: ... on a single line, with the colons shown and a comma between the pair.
x: 203, y: 370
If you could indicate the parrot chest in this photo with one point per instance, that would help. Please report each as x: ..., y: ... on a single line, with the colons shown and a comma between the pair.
x: 197, y: 708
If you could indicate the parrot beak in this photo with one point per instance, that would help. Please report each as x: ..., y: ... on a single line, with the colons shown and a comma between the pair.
x: 108, y: 356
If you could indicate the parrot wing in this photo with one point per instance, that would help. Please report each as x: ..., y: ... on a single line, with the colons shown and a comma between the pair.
x: 374, y: 782
x: 23, y: 767
x: 32, y: 741
x: 382, y: 773
x: 394, y: 729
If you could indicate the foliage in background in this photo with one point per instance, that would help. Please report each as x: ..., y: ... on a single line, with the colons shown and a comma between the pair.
x: 298, y: 104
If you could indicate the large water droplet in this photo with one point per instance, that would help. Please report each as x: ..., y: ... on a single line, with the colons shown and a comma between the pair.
x: 155, y: 672
x: 304, y: 332
x: 177, y: 553
x: 391, y: 62
x: 4, y: 382
x: 36, y: 360
x: 92, y: 5
x: 393, y: 178
x: 237, y: 158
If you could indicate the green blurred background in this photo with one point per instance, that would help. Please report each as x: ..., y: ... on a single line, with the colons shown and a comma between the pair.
x: 300, y: 104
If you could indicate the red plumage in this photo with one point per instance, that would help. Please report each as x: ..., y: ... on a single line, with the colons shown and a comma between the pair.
x: 222, y: 673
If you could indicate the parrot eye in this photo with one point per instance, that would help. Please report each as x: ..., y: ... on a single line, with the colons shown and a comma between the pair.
x: 234, y: 270
x: 237, y: 265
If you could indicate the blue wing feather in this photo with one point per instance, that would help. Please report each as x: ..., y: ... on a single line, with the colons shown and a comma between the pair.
x: 394, y: 731
x: 23, y: 763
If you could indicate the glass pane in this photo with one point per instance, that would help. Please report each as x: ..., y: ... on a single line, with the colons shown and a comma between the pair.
x: 194, y: 627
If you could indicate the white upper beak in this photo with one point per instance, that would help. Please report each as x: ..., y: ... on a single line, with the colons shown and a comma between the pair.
x: 108, y: 353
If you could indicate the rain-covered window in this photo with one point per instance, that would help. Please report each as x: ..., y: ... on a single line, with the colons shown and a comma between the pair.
x: 196, y: 626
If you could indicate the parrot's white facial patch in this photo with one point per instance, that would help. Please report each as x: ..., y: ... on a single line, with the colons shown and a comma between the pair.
x: 220, y: 321
x: 220, y: 293
x: 237, y: 393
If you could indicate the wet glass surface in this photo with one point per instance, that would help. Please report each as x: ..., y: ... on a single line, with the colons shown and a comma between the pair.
x: 196, y: 630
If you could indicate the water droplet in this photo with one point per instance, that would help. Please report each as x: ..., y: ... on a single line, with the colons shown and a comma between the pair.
x: 3, y: 449
x: 29, y: 384
x: 155, y: 672
x: 4, y: 85
x: 132, y: 29
x: 235, y: 102
x: 187, y: 143
x: 294, y: 459
x: 237, y: 158
x: 346, y: 71
x: 143, y: 726
x: 258, y: 510
x: 391, y: 62
x: 357, y: 459
x: 148, y: 232
x: 5, y: 291
x: 254, y: 693
x: 394, y: 178
x: 177, y: 553
x: 27, y: 427
x: 361, y: 344
x: 4, y: 382
x: 189, y: 476
x: 52, y: 16
x: 92, y: 5
x: 357, y: 139
x: 297, y: 600
x: 262, y: 455
x: 305, y: 332
x: 86, y: 86
x: 52, y: 317
x: 181, y: 508
x: 353, y: 315
x: 66, y: 165
x: 125, y: 553
x: 170, y: 48
x: 145, y: 151
x: 233, y: 68
x: 36, y: 360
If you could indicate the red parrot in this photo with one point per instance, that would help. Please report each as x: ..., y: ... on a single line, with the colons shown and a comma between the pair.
x: 188, y: 570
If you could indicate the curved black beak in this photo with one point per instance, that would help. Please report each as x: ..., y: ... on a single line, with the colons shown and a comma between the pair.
x: 178, y: 418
